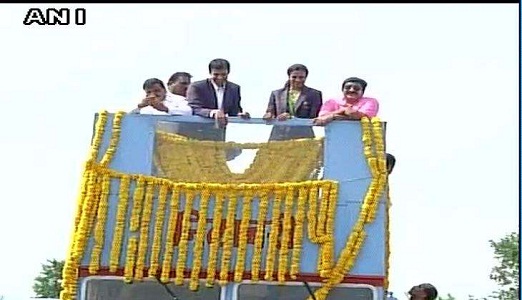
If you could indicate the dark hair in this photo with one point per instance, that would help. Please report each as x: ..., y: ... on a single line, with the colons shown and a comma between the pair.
x: 297, y: 67
x: 177, y: 76
x: 219, y: 64
x: 358, y: 80
x: 390, y: 162
x: 151, y: 82
x: 428, y: 288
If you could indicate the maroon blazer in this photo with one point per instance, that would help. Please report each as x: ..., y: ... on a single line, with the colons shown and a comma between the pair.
x: 201, y: 96
x: 307, y: 105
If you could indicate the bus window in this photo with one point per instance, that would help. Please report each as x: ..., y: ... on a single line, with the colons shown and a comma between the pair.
x: 298, y: 291
x: 116, y: 289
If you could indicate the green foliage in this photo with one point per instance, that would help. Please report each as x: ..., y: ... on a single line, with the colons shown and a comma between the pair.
x: 48, y: 283
x: 506, y: 272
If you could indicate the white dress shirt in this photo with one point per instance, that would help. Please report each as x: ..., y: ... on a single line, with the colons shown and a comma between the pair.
x: 176, y: 104
x: 220, y: 94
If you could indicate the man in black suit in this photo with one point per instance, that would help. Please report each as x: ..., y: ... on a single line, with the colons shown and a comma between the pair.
x: 216, y: 97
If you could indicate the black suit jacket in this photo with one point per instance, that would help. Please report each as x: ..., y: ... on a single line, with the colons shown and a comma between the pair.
x: 201, y: 96
x: 307, y: 105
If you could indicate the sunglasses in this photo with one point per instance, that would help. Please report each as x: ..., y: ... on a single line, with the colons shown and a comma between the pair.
x: 355, y: 87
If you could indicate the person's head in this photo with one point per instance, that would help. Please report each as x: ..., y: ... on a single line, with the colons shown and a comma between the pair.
x: 154, y: 87
x: 425, y: 291
x: 390, y: 162
x: 353, y: 88
x: 297, y: 75
x: 219, y: 69
x: 178, y: 83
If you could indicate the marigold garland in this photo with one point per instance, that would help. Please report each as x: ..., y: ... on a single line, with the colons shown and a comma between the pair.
x: 287, y: 228
x: 183, y: 243
x: 200, y: 238
x: 274, y: 233
x: 214, y: 243
x: 99, y: 231
x: 158, y: 230
x: 245, y: 220
x: 168, y: 250
x: 144, y: 231
x: 298, y: 235
x: 372, y: 131
x: 314, y: 203
x: 120, y: 223
x: 228, y: 238
x: 258, y: 240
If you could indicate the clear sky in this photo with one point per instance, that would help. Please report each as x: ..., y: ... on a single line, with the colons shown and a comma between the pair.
x: 446, y: 77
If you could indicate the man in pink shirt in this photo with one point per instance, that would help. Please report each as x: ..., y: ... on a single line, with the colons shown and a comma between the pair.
x: 352, y: 106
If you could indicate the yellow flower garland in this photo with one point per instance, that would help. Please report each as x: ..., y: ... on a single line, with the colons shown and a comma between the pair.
x: 274, y: 233
x: 258, y: 241
x: 183, y: 243
x: 200, y: 237
x: 144, y: 230
x: 214, y: 243
x: 228, y: 238
x: 368, y: 209
x: 99, y: 233
x: 169, y: 245
x: 298, y: 235
x: 287, y: 228
x: 317, y: 211
x: 245, y: 220
x: 120, y: 223
x: 158, y: 228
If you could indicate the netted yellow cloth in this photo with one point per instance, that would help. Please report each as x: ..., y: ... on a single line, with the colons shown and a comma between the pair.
x: 184, y: 160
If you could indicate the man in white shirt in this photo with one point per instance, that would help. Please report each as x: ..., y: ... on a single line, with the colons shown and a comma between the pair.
x: 158, y: 102
x: 178, y: 84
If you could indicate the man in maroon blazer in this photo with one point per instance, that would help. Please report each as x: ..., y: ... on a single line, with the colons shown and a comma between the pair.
x: 216, y: 97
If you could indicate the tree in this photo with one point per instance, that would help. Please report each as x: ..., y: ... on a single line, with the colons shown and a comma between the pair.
x: 48, y: 283
x: 506, y: 272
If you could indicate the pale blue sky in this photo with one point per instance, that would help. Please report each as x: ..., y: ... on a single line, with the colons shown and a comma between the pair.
x: 446, y: 77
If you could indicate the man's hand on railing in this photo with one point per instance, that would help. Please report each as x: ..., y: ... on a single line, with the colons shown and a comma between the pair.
x: 268, y: 116
x: 244, y: 115
x: 284, y: 117
x: 322, y: 121
x: 220, y: 117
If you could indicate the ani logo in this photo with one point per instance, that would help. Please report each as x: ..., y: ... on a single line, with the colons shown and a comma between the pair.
x: 55, y: 16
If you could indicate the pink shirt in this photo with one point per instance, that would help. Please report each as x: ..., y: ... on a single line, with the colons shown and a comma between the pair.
x: 365, y: 105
